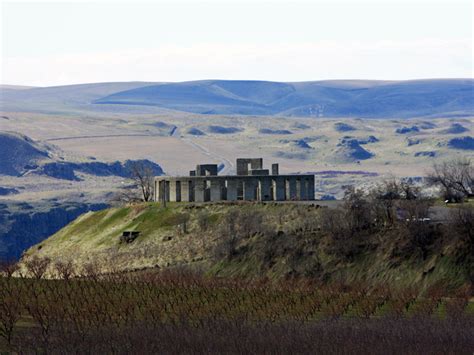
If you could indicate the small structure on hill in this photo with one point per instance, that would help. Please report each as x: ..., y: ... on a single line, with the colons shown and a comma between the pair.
x: 129, y: 236
x: 252, y: 183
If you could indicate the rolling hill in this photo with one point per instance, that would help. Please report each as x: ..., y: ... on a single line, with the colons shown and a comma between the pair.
x: 330, y: 98
x: 321, y: 99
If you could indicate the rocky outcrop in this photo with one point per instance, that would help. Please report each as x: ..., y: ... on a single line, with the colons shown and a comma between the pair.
x: 4, y: 191
x: 464, y: 143
x: 406, y: 130
x: 455, y: 128
x: 349, y: 151
x: 195, y: 132
x: 430, y: 154
x: 223, y: 130
x: 19, y: 153
x: 343, y: 127
x: 274, y: 131
x: 68, y: 170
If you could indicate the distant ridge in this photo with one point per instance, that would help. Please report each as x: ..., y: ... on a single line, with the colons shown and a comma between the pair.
x: 319, y: 99
x: 328, y: 98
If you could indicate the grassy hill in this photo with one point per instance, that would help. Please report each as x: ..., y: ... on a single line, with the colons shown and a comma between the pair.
x: 255, y: 240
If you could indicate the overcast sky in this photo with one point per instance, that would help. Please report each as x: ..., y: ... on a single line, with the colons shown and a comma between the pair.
x: 58, y: 43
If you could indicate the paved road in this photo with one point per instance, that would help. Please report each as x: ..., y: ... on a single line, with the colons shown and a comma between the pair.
x: 101, y: 136
x: 228, y: 165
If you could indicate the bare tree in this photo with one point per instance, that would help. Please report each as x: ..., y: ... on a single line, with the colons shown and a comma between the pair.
x: 8, y: 268
x: 390, y: 195
x: 10, y: 309
x: 37, y: 266
x: 64, y: 269
x: 144, y: 180
x: 456, y: 178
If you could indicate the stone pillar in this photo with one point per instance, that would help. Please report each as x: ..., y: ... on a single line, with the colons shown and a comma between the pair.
x: 298, y: 184
x: 166, y: 186
x: 311, y: 188
x: 191, y: 190
x: 184, y: 190
x: 231, y: 190
x: 303, y: 189
x: 250, y: 186
x: 199, y: 190
x: 279, y: 189
x: 292, y: 188
x: 216, y: 189
x: 173, y: 191
x: 156, y: 192
x: 275, y: 169
x: 264, y: 189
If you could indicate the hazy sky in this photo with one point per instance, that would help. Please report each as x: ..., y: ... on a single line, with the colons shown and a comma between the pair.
x: 55, y: 43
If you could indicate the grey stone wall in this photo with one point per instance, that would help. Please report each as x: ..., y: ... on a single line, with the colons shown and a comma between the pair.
x: 232, y: 188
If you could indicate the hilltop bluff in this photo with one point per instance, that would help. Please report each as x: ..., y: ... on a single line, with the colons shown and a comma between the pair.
x: 255, y: 240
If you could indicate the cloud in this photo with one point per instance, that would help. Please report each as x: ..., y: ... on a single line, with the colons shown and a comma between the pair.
x: 425, y: 58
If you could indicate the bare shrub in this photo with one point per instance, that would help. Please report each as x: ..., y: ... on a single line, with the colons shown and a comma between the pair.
x: 91, y: 270
x: 237, y: 225
x: 178, y: 311
x: 10, y: 308
x: 461, y: 224
x: 456, y: 306
x: 462, y: 220
x: 37, y: 266
x: 8, y: 268
x: 358, y: 213
x: 64, y: 269
x: 203, y: 221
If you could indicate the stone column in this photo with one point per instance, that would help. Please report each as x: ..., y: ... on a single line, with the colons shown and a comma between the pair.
x: 303, y: 189
x: 311, y: 188
x: 231, y: 190
x: 173, y: 192
x: 279, y: 189
x: 166, y: 190
x: 299, y: 185
x: 250, y: 185
x: 292, y: 188
x: 265, y: 189
x: 157, y: 191
x: 216, y: 189
x: 275, y: 169
x: 199, y: 190
x: 184, y: 190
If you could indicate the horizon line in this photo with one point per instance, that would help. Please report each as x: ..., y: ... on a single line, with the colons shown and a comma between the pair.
x: 247, y: 80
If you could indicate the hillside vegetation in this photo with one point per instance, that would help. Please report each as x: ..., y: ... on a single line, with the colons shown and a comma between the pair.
x: 266, y: 240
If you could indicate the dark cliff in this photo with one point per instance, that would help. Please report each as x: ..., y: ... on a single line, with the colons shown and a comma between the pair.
x: 23, y: 225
